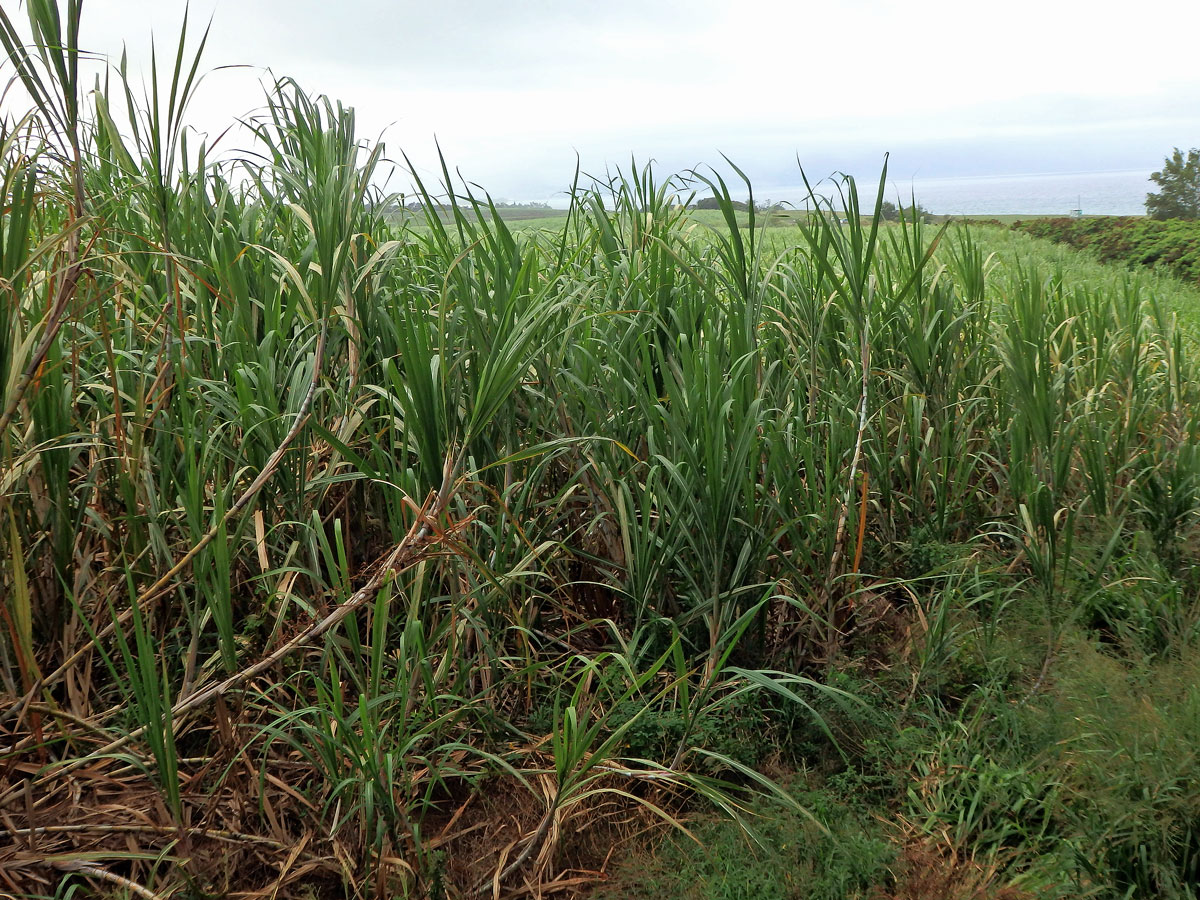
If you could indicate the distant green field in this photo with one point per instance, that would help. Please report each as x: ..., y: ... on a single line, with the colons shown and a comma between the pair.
x: 521, y: 219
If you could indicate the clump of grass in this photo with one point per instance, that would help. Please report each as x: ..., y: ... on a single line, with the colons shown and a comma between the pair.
x: 1131, y: 755
x: 839, y: 853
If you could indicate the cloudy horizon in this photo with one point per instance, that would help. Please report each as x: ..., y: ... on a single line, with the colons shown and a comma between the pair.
x: 513, y: 94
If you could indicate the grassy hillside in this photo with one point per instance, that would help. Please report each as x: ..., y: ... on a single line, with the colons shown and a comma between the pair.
x: 347, y: 558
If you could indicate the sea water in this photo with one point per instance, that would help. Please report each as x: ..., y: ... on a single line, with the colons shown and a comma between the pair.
x: 1095, y: 193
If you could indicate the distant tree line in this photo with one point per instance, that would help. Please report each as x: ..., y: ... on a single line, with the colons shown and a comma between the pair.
x: 515, y: 204
x: 416, y: 205
x: 890, y: 212
x: 739, y: 205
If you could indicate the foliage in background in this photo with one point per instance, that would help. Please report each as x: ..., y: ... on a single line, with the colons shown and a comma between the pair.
x: 1174, y: 244
x: 1178, y: 196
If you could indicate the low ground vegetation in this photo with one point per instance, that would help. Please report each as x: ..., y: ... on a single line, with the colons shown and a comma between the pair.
x: 1173, y: 244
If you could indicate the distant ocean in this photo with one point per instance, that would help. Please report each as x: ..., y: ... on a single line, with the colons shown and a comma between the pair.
x: 1096, y: 193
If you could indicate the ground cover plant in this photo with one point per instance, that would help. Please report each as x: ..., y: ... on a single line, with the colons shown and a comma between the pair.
x: 1173, y: 244
x: 343, y: 556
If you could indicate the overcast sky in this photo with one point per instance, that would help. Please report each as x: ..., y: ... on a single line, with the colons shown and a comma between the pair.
x: 512, y: 90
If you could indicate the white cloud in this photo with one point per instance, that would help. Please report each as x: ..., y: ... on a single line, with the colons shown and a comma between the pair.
x: 513, y: 90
